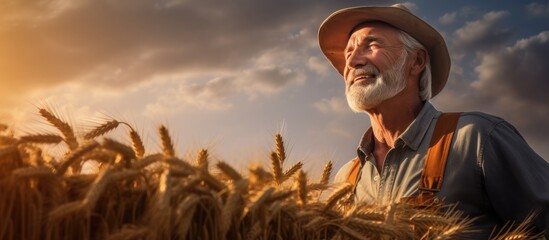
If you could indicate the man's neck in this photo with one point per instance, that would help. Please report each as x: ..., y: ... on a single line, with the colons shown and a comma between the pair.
x: 389, y: 120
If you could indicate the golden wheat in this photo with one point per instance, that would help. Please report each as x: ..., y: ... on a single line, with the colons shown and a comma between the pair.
x: 291, y: 171
x: 101, y: 129
x: 41, y: 138
x: 74, y: 156
x: 62, y: 126
x: 133, y: 195
x: 167, y: 145
x: 280, y: 149
x: 229, y: 171
x: 137, y: 143
x: 276, y: 168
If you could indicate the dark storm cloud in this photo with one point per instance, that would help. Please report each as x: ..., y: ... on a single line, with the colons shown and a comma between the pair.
x: 512, y: 83
x: 517, y: 78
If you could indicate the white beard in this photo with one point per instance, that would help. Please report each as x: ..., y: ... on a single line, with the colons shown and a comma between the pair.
x: 364, y: 96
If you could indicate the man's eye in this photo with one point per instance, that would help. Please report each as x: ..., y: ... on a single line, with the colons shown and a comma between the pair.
x: 348, y: 54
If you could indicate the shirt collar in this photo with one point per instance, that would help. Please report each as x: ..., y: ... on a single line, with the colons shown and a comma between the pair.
x: 412, y: 136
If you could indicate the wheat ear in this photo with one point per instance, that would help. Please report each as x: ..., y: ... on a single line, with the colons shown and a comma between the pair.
x: 35, y: 172
x: 280, y: 150
x: 41, y: 138
x: 326, y: 173
x: 260, y: 199
x: 102, y: 129
x: 125, y: 151
x: 229, y: 171
x: 148, y: 160
x: 202, y: 159
x: 277, y: 169
x: 167, y: 145
x: 302, y: 187
x: 62, y: 126
x: 137, y: 143
x: 75, y: 155
x: 377, y: 227
x: 337, y: 195
x: 291, y: 171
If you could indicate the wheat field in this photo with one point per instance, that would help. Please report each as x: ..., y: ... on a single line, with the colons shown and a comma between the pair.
x: 134, y: 194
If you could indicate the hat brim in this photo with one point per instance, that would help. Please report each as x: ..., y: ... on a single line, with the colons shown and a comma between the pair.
x: 336, y: 29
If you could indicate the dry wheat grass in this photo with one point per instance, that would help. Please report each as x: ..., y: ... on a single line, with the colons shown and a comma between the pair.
x: 140, y: 195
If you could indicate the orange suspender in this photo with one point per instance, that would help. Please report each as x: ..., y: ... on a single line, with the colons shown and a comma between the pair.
x: 435, y: 161
x: 353, y: 174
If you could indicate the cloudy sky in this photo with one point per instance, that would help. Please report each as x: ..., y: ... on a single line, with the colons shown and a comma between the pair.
x: 227, y: 75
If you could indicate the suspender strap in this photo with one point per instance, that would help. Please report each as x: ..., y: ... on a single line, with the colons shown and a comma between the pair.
x: 435, y: 162
x: 352, y: 178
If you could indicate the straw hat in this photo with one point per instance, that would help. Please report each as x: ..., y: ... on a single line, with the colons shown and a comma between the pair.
x: 336, y: 30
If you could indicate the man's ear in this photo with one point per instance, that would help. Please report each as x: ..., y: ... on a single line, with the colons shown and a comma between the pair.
x: 419, y: 61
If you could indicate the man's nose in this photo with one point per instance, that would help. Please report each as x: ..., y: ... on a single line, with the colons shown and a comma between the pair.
x: 356, y: 59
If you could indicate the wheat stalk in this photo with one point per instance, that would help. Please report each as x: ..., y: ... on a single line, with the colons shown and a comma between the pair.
x: 161, y: 196
x: 97, y: 188
x: 232, y: 206
x: 186, y: 210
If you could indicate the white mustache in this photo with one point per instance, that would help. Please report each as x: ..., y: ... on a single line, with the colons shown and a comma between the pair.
x: 367, y: 70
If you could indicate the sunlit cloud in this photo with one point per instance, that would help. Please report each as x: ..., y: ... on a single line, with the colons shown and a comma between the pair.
x: 482, y: 34
x: 215, y: 63
x: 319, y: 65
x: 447, y: 18
x: 538, y: 9
x: 334, y: 105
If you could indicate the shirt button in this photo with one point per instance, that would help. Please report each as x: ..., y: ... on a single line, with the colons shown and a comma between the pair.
x: 376, y: 178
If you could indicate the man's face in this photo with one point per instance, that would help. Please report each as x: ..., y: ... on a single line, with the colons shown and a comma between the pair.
x: 375, y: 63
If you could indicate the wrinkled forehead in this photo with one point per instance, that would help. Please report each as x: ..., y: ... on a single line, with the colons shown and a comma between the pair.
x: 374, y: 30
x: 374, y: 25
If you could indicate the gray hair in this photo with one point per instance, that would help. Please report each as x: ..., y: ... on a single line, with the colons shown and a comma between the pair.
x: 411, y: 44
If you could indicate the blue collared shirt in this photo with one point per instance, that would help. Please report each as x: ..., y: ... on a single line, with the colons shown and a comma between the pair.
x: 491, y: 172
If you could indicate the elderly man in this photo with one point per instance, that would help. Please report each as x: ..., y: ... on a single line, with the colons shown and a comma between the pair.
x: 393, y: 63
